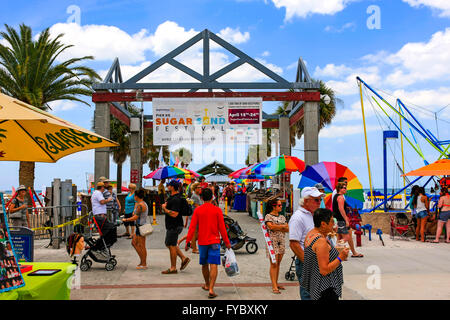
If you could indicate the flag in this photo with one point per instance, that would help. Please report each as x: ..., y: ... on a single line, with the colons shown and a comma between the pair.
x: 161, y: 158
x: 177, y: 162
x: 171, y: 160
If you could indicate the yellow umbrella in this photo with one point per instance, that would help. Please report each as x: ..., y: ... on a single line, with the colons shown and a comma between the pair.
x: 30, y: 134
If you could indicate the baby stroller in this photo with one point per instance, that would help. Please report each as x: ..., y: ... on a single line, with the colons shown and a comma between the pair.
x: 291, y: 273
x: 238, y: 238
x: 99, y: 249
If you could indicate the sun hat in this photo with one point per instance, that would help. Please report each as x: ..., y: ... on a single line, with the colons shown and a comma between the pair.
x: 319, y: 186
x: 311, y: 192
x: 21, y: 187
x: 100, y: 184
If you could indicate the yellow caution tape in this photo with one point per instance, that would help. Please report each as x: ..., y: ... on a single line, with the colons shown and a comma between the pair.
x: 61, y: 225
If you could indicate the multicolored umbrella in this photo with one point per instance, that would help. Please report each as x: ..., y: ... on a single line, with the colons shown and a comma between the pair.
x: 241, y: 172
x: 277, y: 165
x: 328, y: 173
x: 166, y: 172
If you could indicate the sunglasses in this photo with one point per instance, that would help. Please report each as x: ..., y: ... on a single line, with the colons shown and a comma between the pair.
x: 279, y: 205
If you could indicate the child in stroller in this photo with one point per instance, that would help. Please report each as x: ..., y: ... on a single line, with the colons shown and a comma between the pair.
x: 99, y: 249
x: 237, y: 237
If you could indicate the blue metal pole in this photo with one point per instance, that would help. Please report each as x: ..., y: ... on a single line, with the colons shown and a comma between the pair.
x: 429, y: 136
x: 385, y: 171
x: 398, y: 192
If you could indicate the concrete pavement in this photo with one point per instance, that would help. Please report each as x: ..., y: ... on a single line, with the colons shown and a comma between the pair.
x: 384, y: 272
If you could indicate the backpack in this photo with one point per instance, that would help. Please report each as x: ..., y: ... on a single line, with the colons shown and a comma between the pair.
x: 72, y: 243
x: 186, y: 208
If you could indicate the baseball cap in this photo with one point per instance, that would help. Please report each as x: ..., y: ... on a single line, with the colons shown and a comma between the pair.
x: 174, y: 184
x: 21, y: 187
x: 311, y: 192
x: 319, y: 186
x: 100, y: 184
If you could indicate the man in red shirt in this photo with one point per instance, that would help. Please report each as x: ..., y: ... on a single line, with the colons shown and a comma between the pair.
x: 211, y: 226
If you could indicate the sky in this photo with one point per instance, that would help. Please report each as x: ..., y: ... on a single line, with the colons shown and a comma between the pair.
x: 399, y: 47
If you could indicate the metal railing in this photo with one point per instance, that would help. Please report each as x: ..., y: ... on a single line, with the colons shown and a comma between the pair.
x: 43, y: 217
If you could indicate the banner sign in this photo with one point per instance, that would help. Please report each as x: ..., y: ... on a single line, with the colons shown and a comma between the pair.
x: 266, y: 233
x: 10, y: 275
x: 207, y: 120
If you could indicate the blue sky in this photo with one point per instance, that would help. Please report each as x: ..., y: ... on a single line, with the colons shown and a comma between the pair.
x: 407, y: 57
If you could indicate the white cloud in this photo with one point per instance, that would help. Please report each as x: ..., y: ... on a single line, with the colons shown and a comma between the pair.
x: 332, y: 71
x: 426, y: 101
x: 305, y: 8
x: 440, y: 5
x: 103, y: 42
x: 349, y: 25
x: 353, y: 112
x: 265, y: 54
x: 65, y: 105
x: 421, y: 61
x: 334, y: 131
x: 346, y: 83
x: 109, y: 42
x: 234, y: 36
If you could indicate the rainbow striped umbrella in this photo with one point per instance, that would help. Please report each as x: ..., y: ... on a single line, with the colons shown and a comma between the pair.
x: 241, y: 172
x: 166, y: 172
x: 328, y: 173
x: 277, y: 165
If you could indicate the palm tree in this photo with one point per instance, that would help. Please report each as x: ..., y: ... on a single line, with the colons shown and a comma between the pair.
x: 29, y: 72
x: 184, y: 155
x: 326, y: 112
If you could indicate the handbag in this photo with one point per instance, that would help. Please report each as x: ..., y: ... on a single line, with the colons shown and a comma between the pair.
x: 146, y: 229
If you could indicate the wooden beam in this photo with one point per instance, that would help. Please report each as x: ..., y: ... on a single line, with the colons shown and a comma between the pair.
x: 149, y: 96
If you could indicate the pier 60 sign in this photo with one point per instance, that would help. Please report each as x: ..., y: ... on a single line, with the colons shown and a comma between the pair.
x: 207, y: 120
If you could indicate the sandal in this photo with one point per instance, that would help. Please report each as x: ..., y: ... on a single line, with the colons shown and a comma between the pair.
x: 276, y: 291
x: 168, y: 271
x: 434, y: 241
x: 205, y: 288
x: 281, y: 288
x: 212, y: 295
x: 359, y: 255
x: 185, y: 263
x: 139, y: 267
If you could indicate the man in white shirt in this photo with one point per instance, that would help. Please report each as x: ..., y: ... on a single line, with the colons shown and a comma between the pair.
x: 300, y: 224
x: 98, y: 201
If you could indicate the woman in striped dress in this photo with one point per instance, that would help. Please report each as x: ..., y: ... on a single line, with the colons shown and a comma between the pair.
x: 322, y: 270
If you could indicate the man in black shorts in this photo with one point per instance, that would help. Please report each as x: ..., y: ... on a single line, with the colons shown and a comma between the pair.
x: 174, y: 226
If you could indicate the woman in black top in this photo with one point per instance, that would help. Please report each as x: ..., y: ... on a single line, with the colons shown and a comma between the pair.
x: 340, y: 208
x: 322, y: 274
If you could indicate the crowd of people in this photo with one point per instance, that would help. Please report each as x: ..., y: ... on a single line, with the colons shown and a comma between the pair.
x: 318, y: 261
x: 421, y: 212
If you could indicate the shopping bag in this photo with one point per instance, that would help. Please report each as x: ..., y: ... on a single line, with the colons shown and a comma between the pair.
x: 230, y: 264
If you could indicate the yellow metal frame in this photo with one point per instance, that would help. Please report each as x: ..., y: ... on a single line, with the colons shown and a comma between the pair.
x: 365, y: 138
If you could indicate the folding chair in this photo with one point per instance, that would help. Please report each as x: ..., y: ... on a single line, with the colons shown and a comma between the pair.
x: 401, y: 226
